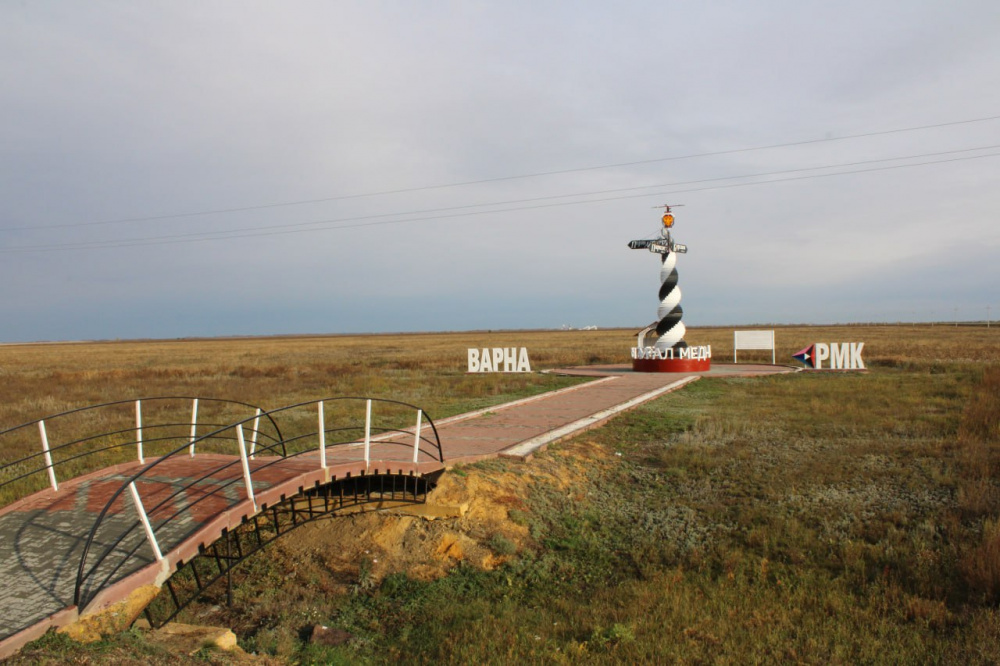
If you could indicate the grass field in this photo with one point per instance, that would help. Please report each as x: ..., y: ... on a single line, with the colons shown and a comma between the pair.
x: 817, y: 518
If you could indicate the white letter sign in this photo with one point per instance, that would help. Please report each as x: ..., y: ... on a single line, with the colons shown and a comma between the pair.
x: 841, y: 355
x: 499, y: 359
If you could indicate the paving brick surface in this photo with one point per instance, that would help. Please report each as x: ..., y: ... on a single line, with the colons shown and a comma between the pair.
x: 42, y: 536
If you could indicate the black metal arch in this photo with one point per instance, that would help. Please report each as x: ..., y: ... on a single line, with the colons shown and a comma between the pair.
x: 216, y: 561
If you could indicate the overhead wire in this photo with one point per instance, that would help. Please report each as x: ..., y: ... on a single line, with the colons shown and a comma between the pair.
x: 733, y: 151
x: 371, y: 220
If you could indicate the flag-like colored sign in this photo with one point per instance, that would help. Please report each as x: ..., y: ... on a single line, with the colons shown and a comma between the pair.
x: 806, y: 356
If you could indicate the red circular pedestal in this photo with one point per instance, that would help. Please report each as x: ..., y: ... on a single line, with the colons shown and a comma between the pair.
x: 671, y: 365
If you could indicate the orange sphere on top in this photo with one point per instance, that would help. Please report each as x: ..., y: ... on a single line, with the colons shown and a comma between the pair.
x: 668, y: 220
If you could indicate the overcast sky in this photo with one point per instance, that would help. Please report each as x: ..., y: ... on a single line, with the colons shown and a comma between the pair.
x: 174, y: 169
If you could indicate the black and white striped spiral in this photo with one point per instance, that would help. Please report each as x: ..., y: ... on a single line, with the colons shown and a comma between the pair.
x: 670, y: 328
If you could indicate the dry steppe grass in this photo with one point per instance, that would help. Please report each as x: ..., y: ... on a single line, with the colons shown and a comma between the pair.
x: 42, y: 379
x: 812, y: 518
x: 815, y: 518
x: 428, y: 370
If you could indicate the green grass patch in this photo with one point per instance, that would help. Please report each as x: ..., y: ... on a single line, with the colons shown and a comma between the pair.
x: 813, y: 518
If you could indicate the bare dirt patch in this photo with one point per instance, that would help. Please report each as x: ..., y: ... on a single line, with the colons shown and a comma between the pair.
x: 488, y: 527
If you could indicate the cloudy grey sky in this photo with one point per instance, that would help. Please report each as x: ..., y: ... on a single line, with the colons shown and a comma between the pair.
x: 187, y: 168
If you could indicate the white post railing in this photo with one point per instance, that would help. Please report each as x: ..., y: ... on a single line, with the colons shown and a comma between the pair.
x: 368, y: 432
x: 48, y: 456
x: 416, y: 437
x: 246, y: 466
x: 194, y: 426
x: 253, y: 436
x: 138, y: 430
x: 322, y: 436
x: 144, y: 519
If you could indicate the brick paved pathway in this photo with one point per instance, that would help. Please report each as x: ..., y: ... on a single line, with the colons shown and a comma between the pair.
x: 41, y: 537
x: 522, y: 427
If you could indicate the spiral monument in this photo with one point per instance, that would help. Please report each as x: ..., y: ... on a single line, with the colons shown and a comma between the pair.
x: 670, y: 353
x: 669, y: 326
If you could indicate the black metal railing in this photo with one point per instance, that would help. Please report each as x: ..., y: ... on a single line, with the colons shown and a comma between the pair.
x: 122, y: 542
x: 25, y: 475
x: 217, y: 560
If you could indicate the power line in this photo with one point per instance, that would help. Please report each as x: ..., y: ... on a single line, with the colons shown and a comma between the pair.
x: 733, y: 151
x: 228, y: 232
x: 284, y: 230
x: 274, y: 230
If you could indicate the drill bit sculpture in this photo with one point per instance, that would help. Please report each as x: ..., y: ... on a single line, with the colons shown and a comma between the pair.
x: 670, y: 352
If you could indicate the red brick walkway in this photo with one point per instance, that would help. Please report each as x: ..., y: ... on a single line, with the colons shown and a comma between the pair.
x: 522, y: 427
